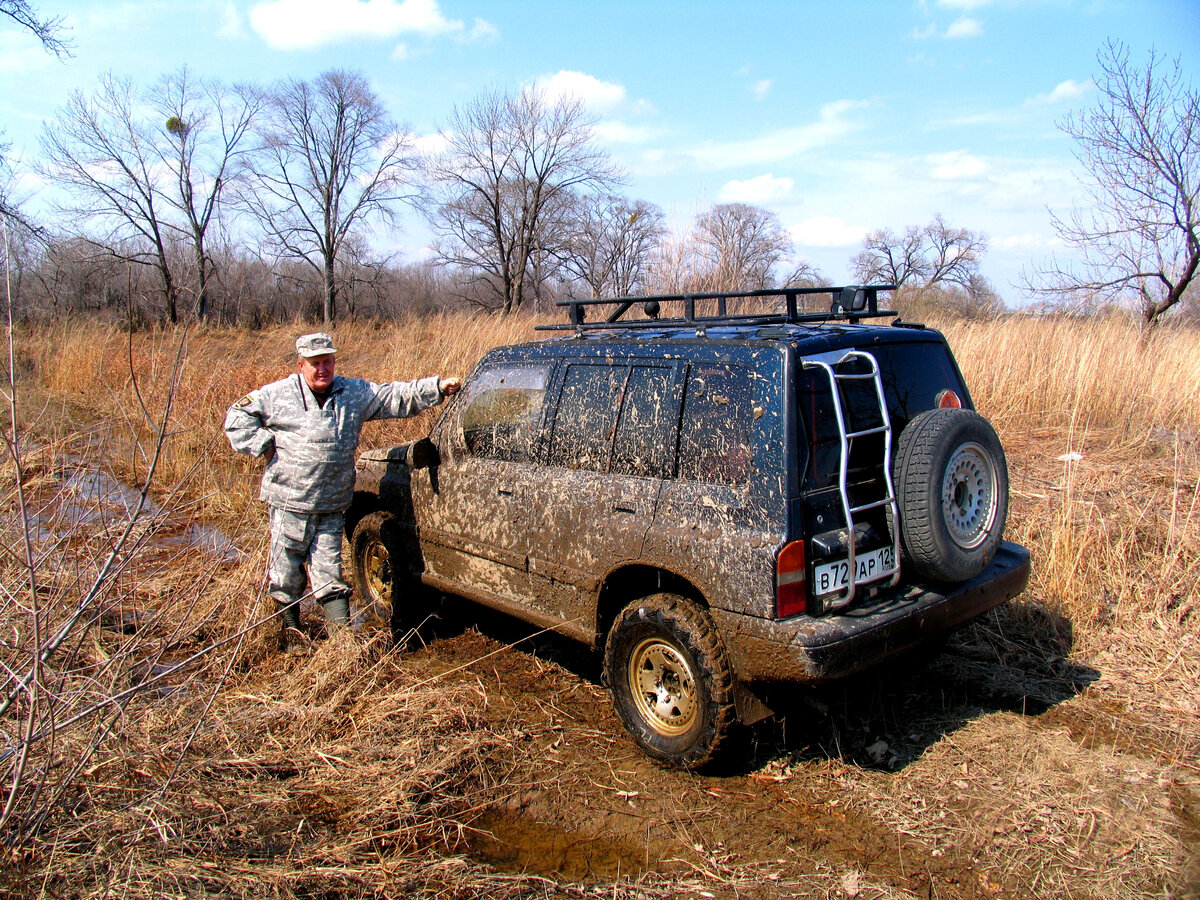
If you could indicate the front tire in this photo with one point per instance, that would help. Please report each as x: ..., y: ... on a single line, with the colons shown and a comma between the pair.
x: 670, y: 679
x: 952, y: 489
x: 372, y: 547
x: 386, y: 579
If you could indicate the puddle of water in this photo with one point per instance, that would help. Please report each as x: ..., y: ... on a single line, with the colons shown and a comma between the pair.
x: 210, y: 540
x: 514, y: 843
x: 97, y: 490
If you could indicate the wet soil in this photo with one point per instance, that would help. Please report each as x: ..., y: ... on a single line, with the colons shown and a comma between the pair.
x: 932, y: 778
x: 1007, y: 765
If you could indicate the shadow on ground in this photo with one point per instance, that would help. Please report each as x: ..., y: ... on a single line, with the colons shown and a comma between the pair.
x: 1015, y: 659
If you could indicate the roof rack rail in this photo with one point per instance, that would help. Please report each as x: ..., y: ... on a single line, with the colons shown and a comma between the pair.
x: 849, y: 303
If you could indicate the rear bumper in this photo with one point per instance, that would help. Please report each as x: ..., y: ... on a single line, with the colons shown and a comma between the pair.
x: 804, y: 649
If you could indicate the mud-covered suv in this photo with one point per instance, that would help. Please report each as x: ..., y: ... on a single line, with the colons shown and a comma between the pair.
x: 723, y: 500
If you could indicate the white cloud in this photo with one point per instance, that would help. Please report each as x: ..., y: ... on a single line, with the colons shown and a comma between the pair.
x: 230, y: 24
x: 429, y: 145
x: 1063, y: 92
x: 305, y: 24
x: 955, y: 166
x: 827, y: 231
x: 833, y: 122
x: 482, y: 30
x: 598, y: 96
x: 758, y: 191
x: 761, y: 88
x: 605, y: 99
x: 619, y: 132
x: 965, y: 27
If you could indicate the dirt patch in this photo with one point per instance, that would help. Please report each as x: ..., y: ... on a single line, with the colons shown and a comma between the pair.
x: 973, y: 776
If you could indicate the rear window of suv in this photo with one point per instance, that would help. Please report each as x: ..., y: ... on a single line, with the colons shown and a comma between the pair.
x: 912, y: 374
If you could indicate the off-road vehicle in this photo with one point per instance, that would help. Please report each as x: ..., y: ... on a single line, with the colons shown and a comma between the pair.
x: 724, y: 500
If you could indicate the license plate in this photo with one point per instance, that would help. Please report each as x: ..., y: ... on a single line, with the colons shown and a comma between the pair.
x: 835, y: 576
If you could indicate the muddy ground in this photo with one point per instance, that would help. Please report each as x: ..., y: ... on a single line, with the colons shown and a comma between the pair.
x: 1011, y: 764
x: 965, y: 776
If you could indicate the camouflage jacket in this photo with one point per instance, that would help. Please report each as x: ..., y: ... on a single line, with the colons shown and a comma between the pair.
x: 312, y: 468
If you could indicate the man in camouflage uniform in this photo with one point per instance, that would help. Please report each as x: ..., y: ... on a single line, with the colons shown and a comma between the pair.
x: 307, y: 428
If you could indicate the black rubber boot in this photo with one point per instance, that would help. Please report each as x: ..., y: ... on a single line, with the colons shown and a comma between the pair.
x: 337, y: 608
x: 291, y: 638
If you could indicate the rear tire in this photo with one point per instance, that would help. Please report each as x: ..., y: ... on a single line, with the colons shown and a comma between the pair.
x: 670, y: 679
x: 952, y: 489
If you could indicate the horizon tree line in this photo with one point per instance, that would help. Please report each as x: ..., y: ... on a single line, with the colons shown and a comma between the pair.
x: 192, y: 188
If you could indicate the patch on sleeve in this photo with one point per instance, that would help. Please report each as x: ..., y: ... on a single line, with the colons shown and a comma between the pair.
x: 244, y: 402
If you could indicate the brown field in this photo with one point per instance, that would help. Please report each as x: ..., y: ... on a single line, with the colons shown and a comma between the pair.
x: 1052, y: 750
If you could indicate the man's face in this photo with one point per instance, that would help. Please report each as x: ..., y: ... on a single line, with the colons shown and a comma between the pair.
x: 317, y: 371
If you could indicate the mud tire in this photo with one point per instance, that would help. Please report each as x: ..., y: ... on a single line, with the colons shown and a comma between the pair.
x: 383, y: 576
x: 952, y: 490
x: 670, y: 679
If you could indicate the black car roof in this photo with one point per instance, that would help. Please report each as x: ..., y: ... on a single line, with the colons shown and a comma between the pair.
x: 805, y: 339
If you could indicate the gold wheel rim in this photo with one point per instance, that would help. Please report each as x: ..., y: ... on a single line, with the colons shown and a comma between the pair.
x: 377, y: 569
x: 663, y: 687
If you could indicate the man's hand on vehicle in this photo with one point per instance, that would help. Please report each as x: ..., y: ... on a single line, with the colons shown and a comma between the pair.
x: 450, y: 386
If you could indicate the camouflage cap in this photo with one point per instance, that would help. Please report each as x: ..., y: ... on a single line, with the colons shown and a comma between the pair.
x: 318, y: 344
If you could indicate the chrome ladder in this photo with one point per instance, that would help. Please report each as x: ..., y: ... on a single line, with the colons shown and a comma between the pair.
x: 846, y: 439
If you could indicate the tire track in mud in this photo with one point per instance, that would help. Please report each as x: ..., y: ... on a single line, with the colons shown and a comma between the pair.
x: 586, y: 805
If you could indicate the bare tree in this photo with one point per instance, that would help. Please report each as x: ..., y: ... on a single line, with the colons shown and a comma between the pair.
x: 740, y: 246
x: 506, y: 179
x: 202, y: 136
x: 1140, y: 148
x: 330, y: 161
x: 10, y: 201
x: 937, y: 254
x: 805, y: 275
x: 47, y: 30
x: 954, y: 253
x: 108, y: 161
x: 610, y: 243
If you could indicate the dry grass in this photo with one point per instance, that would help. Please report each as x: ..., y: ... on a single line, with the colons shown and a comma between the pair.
x: 356, y: 772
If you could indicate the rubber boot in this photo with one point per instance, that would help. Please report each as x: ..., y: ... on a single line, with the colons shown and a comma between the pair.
x: 291, y: 638
x: 337, y: 609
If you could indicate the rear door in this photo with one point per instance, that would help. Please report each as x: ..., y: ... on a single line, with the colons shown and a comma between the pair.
x: 609, y: 446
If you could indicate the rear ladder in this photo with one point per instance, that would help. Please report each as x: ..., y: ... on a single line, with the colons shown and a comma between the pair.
x: 846, y: 439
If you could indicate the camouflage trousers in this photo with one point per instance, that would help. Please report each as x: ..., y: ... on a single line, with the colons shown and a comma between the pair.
x: 300, y: 540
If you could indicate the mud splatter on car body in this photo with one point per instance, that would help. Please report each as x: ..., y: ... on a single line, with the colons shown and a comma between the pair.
x: 720, y: 502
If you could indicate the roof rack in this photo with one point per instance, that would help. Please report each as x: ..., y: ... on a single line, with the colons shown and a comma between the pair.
x: 848, y: 303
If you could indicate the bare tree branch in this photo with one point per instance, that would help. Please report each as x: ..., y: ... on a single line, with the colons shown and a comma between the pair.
x: 509, y: 175
x: 1140, y: 149
x: 329, y: 161
x: 50, y: 31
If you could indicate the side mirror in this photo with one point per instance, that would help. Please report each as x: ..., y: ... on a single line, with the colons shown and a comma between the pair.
x: 422, y: 454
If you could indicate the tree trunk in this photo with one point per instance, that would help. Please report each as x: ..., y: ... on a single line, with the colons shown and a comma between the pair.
x: 202, y: 292
x: 330, y: 294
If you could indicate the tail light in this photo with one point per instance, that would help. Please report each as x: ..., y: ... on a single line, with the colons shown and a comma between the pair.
x: 948, y: 399
x: 791, y: 587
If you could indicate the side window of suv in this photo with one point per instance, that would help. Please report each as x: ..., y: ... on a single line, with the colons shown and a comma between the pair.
x: 502, y: 412
x: 587, y: 410
x: 718, y: 415
x: 646, y: 429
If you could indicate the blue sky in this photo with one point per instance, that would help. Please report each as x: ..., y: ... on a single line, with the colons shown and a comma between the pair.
x: 840, y: 117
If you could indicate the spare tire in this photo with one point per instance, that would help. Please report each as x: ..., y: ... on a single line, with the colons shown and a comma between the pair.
x: 952, y: 491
